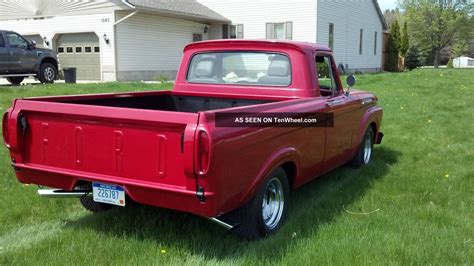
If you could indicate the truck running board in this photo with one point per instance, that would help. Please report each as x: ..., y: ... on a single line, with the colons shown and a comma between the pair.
x: 58, y: 193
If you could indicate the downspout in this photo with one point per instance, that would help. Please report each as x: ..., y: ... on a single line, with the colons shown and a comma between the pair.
x: 125, y: 2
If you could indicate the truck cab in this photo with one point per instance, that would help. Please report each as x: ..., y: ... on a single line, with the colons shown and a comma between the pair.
x: 20, y: 58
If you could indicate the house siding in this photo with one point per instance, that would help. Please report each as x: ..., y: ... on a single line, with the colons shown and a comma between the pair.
x: 255, y: 14
x: 150, y: 45
x: 349, y: 17
x: 52, y: 27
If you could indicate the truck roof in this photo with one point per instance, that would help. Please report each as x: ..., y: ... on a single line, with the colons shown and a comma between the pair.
x: 233, y: 43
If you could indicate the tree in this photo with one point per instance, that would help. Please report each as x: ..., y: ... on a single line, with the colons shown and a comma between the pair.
x: 412, y: 61
x: 395, y: 32
x: 391, y: 63
x: 404, y: 41
x: 434, y: 24
x: 391, y: 15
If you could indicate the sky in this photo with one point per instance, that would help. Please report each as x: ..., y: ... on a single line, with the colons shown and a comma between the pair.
x: 387, y: 4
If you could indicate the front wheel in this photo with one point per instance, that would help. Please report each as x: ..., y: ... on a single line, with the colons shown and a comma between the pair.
x: 266, y: 212
x: 15, y: 80
x: 48, y: 73
x: 364, y: 154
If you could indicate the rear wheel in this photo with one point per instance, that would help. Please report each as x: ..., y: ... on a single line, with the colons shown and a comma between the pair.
x: 266, y: 212
x: 48, y: 73
x: 364, y: 154
x: 15, y: 80
x: 88, y: 202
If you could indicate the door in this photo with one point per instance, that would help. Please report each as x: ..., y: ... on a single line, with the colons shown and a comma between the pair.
x: 342, y: 109
x: 4, y: 61
x: 81, y: 51
x: 22, y: 58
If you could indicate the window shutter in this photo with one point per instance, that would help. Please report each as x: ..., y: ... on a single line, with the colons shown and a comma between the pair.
x: 240, y: 31
x: 289, y: 30
x: 225, y: 31
x: 269, y: 34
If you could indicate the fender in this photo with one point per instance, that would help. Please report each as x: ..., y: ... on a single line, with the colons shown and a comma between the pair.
x: 372, y: 115
x: 53, y: 60
x: 278, y: 158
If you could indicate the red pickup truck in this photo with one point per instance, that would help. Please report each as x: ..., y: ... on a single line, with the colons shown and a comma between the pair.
x: 168, y: 148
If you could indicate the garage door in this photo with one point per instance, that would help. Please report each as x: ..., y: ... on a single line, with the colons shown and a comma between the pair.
x: 82, y: 51
x: 37, y: 38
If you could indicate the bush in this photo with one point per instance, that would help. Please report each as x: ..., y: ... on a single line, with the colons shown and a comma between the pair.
x: 450, y: 63
x: 163, y: 78
x: 412, y: 61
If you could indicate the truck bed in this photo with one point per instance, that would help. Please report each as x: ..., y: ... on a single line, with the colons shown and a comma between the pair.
x: 164, y: 101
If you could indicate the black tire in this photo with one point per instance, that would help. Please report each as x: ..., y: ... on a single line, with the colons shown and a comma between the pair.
x: 365, y: 151
x: 15, y: 80
x: 48, y: 73
x: 250, y: 220
x: 95, y: 207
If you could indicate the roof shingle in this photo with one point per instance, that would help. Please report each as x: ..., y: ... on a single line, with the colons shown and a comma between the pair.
x: 185, y: 7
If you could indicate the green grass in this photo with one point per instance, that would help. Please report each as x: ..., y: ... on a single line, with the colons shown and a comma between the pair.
x: 418, y: 191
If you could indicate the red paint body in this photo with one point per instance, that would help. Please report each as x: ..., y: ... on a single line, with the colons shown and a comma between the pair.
x: 156, y: 155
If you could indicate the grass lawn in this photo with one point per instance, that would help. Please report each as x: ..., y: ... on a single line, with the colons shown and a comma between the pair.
x: 414, y: 204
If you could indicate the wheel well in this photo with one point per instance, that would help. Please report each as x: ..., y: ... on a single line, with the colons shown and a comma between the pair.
x: 374, y: 128
x: 51, y: 61
x: 290, y: 171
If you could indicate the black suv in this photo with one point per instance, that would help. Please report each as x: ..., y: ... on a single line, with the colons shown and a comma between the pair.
x: 20, y: 59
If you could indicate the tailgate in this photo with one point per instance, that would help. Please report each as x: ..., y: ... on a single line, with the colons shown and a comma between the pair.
x: 131, y: 146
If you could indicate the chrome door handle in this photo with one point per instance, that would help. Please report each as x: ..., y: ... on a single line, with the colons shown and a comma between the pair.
x: 334, y: 102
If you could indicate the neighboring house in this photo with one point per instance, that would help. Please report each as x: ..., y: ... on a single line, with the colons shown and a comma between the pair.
x: 353, y: 29
x: 112, y: 40
x: 463, y: 62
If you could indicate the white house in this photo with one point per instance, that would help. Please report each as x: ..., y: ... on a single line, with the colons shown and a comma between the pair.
x: 352, y: 28
x: 112, y: 40
x: 463, y: 62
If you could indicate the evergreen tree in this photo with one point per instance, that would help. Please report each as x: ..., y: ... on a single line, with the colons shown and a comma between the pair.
x: 391, y: 63
x: 395, y: 32
x: 404, y: 41
x: 412, y: 60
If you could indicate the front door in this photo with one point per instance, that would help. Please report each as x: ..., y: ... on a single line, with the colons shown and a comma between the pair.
x: 4, y: 61
x: 341, y: 108
x: 22, y: 58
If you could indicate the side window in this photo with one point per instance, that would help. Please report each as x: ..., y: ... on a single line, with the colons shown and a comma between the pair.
x: 326, y: 75
x: 16, y: 41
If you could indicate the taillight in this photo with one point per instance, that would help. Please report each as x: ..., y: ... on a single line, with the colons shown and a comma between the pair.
x: 5, y: 129
x: 203, y: 152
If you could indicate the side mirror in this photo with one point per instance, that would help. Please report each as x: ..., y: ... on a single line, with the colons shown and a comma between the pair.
x: 351, y: 81
x: 32, y: 45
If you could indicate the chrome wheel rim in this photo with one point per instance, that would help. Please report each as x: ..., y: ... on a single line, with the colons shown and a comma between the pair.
x: 367, y: 148
x: 273, y: 203
x: 49, y: 73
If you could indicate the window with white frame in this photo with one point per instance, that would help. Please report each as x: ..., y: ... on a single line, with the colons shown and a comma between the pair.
x: 280, y: 31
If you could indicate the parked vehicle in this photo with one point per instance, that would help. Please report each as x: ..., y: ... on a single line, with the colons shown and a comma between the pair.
x: 20, y: 58
x: 167, y: 149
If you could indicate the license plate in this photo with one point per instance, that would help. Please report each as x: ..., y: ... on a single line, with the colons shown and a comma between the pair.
x: 110, y: 194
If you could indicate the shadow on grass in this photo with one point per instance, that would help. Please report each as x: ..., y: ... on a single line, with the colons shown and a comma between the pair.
x: 315, y: 204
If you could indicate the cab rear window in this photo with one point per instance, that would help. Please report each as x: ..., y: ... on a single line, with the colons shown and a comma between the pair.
x: 240, y: 68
